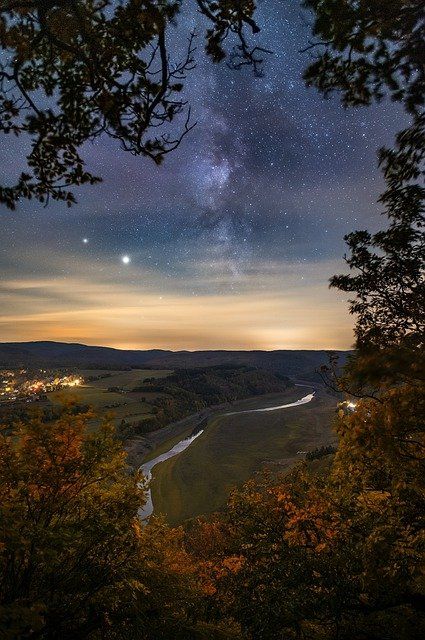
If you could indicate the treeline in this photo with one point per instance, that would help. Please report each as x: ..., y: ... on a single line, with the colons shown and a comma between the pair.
x: 220, y: 383
x: 14, y: 414
x: 320, y: 452
x: 188, y: 391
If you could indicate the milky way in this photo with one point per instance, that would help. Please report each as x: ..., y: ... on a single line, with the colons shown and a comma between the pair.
x: 232, y: 240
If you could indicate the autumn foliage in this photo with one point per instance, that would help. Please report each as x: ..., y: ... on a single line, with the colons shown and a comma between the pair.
x: 75, y: 561
x: 332, y: 550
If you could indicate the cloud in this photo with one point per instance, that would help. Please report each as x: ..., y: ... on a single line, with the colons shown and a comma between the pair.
x: 270, y: 311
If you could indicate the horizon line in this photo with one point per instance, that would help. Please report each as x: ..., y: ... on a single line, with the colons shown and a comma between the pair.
x: 97, y: 346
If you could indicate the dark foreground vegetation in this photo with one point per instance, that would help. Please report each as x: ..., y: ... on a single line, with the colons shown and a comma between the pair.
x: 324, y: 556
x: 334, y: 555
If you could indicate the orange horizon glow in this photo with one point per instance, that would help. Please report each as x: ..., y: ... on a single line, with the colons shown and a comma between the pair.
x: 270, y: 310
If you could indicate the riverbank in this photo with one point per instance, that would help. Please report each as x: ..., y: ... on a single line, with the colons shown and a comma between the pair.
x: 233, y: 447
x: 142, y: 448
x: 182, y: 445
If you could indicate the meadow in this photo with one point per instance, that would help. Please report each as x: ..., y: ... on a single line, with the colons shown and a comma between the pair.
x: 232, y: 448
x: 123, y: 403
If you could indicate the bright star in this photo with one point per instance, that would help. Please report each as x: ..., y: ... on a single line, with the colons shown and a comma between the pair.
x: 125, y: 259
x: 85, y: 240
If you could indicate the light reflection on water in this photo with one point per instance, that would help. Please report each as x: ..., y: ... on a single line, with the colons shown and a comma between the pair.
x: 146, y: 511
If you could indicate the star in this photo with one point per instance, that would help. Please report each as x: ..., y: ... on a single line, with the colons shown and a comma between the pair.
x: 250, y: 193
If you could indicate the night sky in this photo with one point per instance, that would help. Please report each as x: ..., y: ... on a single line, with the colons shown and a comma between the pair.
x: 229, y: 244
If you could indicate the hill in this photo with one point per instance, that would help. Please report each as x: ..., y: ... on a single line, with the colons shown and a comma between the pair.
x: 188, y: 391
x: 62, y: 354
x: 298, y: 363
x: 233, y: 447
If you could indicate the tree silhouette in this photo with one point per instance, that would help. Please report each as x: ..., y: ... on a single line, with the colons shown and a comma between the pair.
x: 73, y: 70
x: 368, y: 48
x: 388, y: 267
x: 75, y: 561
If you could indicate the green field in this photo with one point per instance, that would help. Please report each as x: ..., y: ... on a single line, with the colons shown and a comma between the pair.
x: 123, y: 379
x: 232, y: 448
x: 130, y: 405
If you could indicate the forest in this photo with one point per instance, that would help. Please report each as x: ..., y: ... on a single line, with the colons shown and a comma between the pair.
x: 188, y: 391
x: 332, y: 549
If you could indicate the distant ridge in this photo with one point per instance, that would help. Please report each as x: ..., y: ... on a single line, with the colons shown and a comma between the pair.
x: 61, y: 354
x: 51, y: 353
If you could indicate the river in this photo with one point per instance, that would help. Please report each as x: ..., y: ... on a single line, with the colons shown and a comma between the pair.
x: 146, y: 511
x: 304, y: 400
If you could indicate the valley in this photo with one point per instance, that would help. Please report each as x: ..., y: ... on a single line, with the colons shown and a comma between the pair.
x: 233, y: 446
x: 195, y: 433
